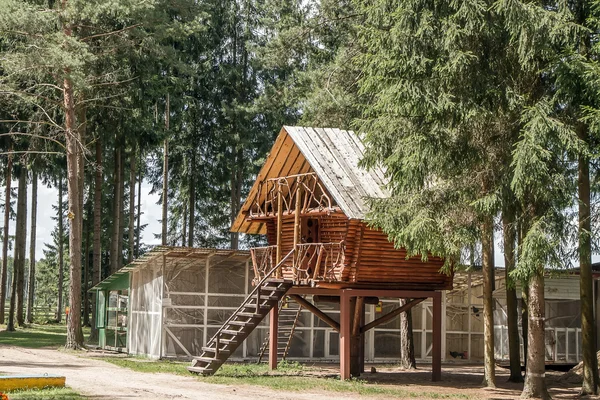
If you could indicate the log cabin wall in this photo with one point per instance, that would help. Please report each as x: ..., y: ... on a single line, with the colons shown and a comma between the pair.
x: 380, y: 262
x: 370, y: 258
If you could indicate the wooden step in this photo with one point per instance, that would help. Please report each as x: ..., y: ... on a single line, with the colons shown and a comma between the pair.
x: 212, y: 350
x: 249, y: 315
x: 264, y: 298
x: 201, y: 370
x: 269, y: 288
x: 230, y: 332
x: 240, y: 323
x: 207, y: 360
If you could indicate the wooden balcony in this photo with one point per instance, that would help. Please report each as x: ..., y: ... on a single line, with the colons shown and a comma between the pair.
x: 285, y: 194
x: 311, y: 263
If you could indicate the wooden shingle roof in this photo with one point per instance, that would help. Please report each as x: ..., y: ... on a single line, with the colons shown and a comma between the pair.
x: 334, y: 155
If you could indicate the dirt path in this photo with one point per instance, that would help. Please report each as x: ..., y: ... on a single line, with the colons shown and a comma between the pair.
x: 98, y: 379
x: 101, y: 380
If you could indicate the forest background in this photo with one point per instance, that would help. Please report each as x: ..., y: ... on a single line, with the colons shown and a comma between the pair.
x: 484, y: 113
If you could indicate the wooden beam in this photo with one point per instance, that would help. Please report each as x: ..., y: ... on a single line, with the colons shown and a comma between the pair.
x: 356, y: 321
x: 391, y: 315
x: 436, y: 351
x: 313, y: 309
x: 279, y: 230
x: 297, y: 223
x: 345, y: 337
x: 273, y: 336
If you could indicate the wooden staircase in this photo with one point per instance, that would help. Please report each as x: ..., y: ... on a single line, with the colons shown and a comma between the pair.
x: 288, y: 320
x: 266, y: 295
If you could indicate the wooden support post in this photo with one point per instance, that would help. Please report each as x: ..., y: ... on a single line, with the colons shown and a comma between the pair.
x: 297, y: 225
x: 279, y: 229
x: 362, y: 339
x: 355, y: 309
x: 436, y: 352
x: 345, y: 334
x: 313, y: 309
x: 273, y: 336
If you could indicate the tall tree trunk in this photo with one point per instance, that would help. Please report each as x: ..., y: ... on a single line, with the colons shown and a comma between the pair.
x: 121, y: 213
x: 86, y: 269
x: 487, y: 247
x: 139, y: 213
x: 407, y: 345
x: 192, y: 205
x: 17, y: 295
x: 31, y: 292
x: 21, y: 244
x: 74, y: 176
x: 535, y: 382
x: 165, y: 194
x: 131, y: 229
x: 114, y: 241
x: 61, y: 264
x: 3, y: 280
x: 511, y: 297
x: 184, y: 227
x: 588, y: 325
x: 236, y: 195
x: 97, y: 245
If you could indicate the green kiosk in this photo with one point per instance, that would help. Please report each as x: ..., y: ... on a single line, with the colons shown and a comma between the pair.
x: 112, y: 299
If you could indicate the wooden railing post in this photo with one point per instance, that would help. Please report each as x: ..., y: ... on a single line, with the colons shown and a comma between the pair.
x: 279, y: 228
x: 297, y: 223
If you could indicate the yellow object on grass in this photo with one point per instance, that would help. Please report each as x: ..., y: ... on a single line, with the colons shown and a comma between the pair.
x: 17, y: 382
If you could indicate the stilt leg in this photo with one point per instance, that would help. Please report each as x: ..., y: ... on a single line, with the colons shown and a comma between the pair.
x: 345, y: 336
x: 436, y: 356
x: 362, y: 340
x: 273, y: 336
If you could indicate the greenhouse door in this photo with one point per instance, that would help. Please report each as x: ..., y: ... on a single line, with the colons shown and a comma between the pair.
x: 116, y: 320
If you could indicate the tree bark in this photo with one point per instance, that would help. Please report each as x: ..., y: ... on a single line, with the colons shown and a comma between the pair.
x: 535, y: 383
x: 184, y: 227
x: 86, y: 270
x: 236, y: 195
x: 61, y: 266
x: 407, y: 345
x: 192, y: 205
x: 3, y: 280
x: 588, y: 326
x: 165, y: 188
x: 17, y: 295
x: 121, y: 212
x: 487, y: 247
x: 97, y: 244
x: 139, y: 213
x: 511, y: 297
x: 131, y: 232
x: 114, y: 242
x: 31, y: 292
x: 74, y: 175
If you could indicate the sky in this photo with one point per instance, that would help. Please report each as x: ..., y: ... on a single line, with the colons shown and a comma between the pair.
x: 47, y: 197
x: 151, y: 214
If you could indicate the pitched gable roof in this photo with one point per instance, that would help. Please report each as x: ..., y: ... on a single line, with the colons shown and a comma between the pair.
x: 333, y: 154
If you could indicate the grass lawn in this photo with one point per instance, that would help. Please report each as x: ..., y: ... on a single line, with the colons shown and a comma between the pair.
x: 37, y: 336
x: 46, y: 394
x: 289, y: 376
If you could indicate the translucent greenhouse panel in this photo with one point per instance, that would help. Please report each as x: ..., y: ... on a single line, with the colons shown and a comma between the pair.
x: 179, y: 339
x: 457, y: 346
x: 387, y: 344
x: 318, y: 343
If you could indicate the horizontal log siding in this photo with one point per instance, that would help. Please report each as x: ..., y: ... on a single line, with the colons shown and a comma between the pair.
x: 380, y: 262
x: 370, y: 257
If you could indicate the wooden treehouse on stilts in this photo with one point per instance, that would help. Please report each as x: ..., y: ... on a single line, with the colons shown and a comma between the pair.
x: 309, y: 200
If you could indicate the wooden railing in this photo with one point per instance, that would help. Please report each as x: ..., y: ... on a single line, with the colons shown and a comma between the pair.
x: 311, y: 262
x: 263, y: 261
x: 285, y: 190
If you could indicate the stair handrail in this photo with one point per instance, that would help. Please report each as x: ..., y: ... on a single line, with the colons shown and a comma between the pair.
x: 256, y: 289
